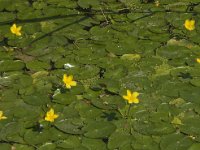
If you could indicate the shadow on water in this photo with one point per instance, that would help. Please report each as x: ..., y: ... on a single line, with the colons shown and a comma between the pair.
x: 185, y: 75
x: 62, y: 17
x: 2, y: 43
x: 109, y: 116
x: 125, y: 11
x: 37, y: 127
x: 55, y: 30
x: 85, y: 16
x: 40, y: 19
x: 69, y: 24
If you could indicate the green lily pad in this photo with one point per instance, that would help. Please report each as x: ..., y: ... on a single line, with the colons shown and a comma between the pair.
x: 11, y: 131
x: 22, y: 147
x: 36, y: 100
x: 111, y: 85
x: 39, y: 5
x: 35, y: 137
x: 87, y: 110
x: 145, y: 142
x: 190, y: 94
x: 98, y: 129
x: 69, y: 126
x: 96, y: 144
x: 172, y: 52
x: 109, y: 47
x: 194, y: 146
x: 37, y: 65
x: 88, y: 3
x: 133, y: 57
x: 159, y: 128
x: 65, y: 99
x: 70, y: 142
x: 116, y: 72
x: 190, y: 126
x: 70, y: 112
x: 5, y: 146
x: 178, y: 141
x: 49, y: 146
x: 195, y: 82
x: 119, y: 140
x: 10, y: 65
x: 6, y: 16
x: 108, y: 102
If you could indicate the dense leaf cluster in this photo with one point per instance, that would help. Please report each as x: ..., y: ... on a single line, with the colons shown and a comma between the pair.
x: 113, y: 45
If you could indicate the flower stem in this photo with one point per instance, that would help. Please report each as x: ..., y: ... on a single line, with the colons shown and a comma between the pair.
x: 129, y: 108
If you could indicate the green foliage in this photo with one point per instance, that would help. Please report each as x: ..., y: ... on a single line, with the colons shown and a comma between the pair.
x: 109, y: 47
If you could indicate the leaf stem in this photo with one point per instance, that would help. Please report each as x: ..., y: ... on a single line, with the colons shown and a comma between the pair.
x: 128, y: 112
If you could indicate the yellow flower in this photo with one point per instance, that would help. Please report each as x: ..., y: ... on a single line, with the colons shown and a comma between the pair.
x: 68, y: 80
x: 16, y: 30
x: 189, y: 24
x: 198, y: 60
x: 50, y: 115
x: 1, y: 116
x: 157, y: 3
x: 131, y: 97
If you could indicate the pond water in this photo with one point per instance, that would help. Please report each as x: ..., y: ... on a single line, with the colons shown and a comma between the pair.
x: 99, y: 75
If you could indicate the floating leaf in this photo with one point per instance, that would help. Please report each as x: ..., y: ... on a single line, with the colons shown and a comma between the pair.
x: 87, y: 3
x: 195, y: 146
x: 133, y: 57
x: 70, y: 142
x: 22, y: 147
x: 35, y: 137
x: 159, y: 128
x: 69, y: 126
x: 176, y: 121
x: 37, y: 99
x: 176, y: 140
x: 10, y: 65
x: 96, y: 144
x: 65, y: 99
x: 98, y: 129
x: 119, y: 140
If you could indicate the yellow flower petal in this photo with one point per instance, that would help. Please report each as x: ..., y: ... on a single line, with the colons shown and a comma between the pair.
x: 73, y: 83
x: 51, y: 112
x: 198, y: 60
x: 1, y: 116
x: 136, y: 101
x: 130, y: 102
x: 4, y: 117
x: 19, y: 28
x: 68, y: 86
x: 70, y: 78
x: 56, y: 116
x: 48, y: 119
x: 189, y: 24
x: 192, y: 22
x: 128, y: 93
x: 16, y: 30
x: 51, y: 116
x: 12, y: 29
x: 68, y: 81
x: 1, y: 113
x: 135, y: 94
x: 131, y: 97
x: 125, y: 97
x: 18, y: 33
x: 64, y: 78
